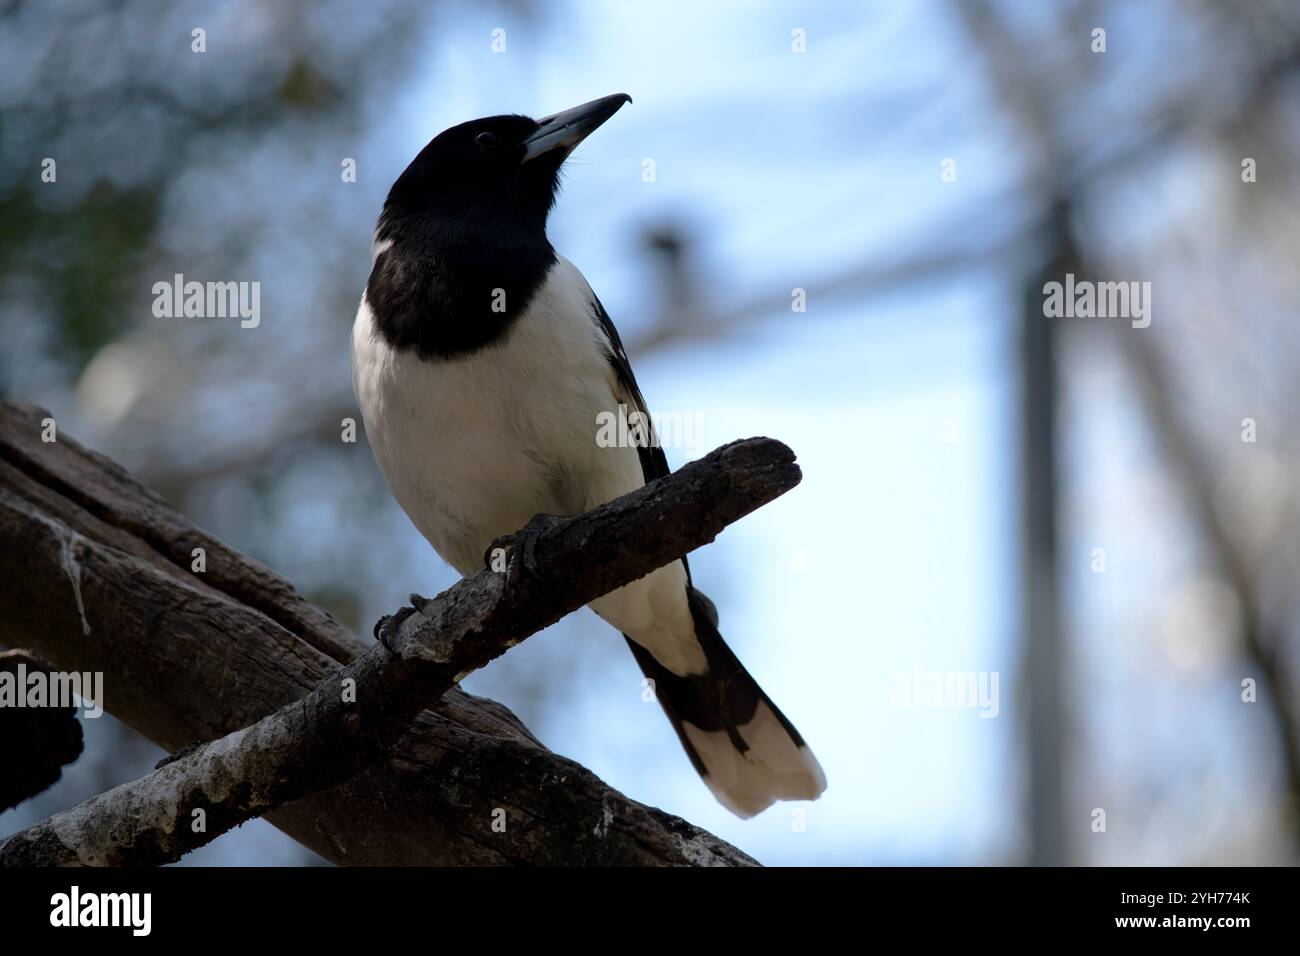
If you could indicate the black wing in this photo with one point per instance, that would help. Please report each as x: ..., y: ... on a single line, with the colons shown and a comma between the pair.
x: 654, y: 464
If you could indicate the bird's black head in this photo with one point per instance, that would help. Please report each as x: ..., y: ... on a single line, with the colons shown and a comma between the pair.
x: 461, y: 246
x: 496, y: 171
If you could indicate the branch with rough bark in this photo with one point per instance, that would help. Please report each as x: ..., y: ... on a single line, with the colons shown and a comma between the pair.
x: 95, y: 574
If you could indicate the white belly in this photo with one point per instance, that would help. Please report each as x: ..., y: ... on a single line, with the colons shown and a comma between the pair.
x: 472, y: 447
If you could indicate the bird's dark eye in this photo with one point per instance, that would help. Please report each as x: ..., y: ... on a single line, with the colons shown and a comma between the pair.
x: 486, y: 139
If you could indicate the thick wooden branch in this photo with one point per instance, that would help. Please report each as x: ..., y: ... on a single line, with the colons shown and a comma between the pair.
x: 35, y: 742
x: 353, y: 716
x: 194, y: 656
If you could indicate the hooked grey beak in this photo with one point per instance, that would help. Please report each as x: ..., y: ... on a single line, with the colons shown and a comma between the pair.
x: 566, y: 130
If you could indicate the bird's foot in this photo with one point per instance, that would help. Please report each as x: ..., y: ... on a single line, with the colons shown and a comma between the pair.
x: 515, y: 554
x: 387, y: 627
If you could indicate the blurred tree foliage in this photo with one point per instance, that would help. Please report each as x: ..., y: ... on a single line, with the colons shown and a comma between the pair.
x: 117, y: 96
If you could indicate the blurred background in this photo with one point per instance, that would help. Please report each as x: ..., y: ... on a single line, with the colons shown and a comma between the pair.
x: 1103, y: 519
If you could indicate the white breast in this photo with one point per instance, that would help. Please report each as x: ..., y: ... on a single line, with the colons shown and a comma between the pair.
x: 474, y: 446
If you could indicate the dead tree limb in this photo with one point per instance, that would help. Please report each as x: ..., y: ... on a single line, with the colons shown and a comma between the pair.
x: 95, y: 573
x: 356, y: 714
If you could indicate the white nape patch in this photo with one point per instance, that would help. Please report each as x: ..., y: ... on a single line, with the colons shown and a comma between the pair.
x: 774, y: 768
x: 473, y: 446
x: 378, y: 247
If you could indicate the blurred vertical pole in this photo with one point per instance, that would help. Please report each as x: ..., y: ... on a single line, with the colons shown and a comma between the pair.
x: 1042, y: 677
x: 670, y: 252
x: 1042, y: 682
x: 672, y: 257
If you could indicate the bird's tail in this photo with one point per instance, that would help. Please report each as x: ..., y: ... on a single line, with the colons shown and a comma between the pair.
x: 749, y: 755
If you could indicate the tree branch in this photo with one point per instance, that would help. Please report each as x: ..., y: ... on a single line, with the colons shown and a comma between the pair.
x: 186, y: 654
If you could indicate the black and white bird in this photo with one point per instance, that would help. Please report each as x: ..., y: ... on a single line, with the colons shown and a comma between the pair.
x: 482, y: 362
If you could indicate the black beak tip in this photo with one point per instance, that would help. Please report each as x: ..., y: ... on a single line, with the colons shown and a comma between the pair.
x: 566, y: 130
x: 609, y: 105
